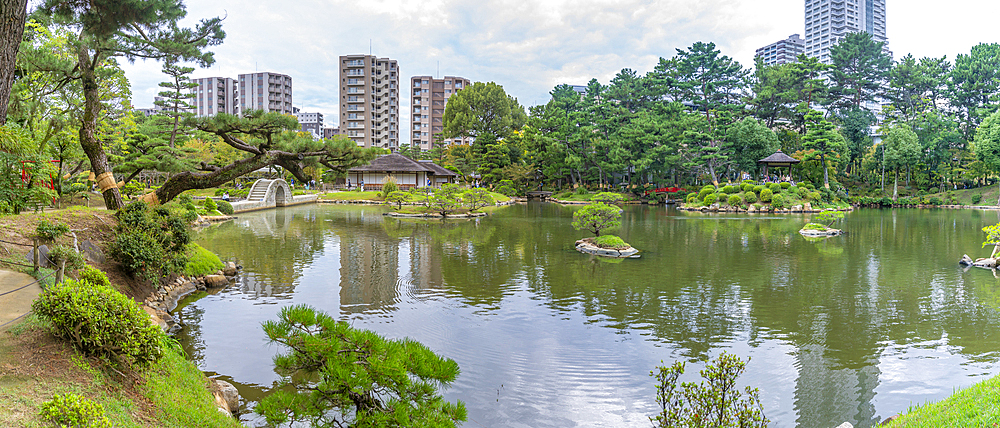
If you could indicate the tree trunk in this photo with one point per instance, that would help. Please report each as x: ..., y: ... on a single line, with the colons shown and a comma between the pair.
x: 88, y: 133
x: 12, y: 16
x: 826, y: 172
x: 895, y: 185
x: 188, y: 180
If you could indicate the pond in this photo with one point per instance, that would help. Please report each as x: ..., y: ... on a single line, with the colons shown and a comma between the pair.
x: 853, y: 328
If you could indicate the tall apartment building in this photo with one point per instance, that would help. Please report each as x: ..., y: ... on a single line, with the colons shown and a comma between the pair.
x: 214, y: 95
x: 311, y: 122
x: 783, y: 51
x: 369, y: 100
x: 330, y: 132
x: 828, y: 21
x: 427, y: 104
x: 271, y: 92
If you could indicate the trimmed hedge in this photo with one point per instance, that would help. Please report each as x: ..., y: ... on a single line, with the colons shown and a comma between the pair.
x: 100, y: 321
x: 765, y: 195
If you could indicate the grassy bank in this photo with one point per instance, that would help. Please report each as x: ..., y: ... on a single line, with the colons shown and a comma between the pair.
x: 975, y: 406
x: 34, y: 366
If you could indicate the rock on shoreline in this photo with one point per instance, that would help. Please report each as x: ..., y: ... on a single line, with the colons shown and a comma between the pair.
x: 587, y: 246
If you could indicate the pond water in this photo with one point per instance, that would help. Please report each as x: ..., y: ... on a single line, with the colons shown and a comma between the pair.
x: 853, y: 328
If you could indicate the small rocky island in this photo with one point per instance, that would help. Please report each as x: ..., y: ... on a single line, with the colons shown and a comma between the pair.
x: 590, y: 246
x: 818, y: 230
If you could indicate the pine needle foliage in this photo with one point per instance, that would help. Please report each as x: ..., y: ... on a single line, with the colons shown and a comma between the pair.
x: 339, y: 376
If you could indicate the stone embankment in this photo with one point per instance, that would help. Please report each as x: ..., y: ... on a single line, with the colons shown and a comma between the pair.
x: 812, y: 233
x: 164, y: 299
x: 433, y: 215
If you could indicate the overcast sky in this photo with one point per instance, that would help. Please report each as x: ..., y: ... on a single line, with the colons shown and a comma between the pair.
x: 527, y: 47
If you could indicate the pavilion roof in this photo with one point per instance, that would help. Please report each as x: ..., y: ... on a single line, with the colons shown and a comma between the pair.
x: 399, y: 163
x: 778, y: 158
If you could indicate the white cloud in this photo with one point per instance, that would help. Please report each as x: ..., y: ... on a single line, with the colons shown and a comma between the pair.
x: 526, y: 46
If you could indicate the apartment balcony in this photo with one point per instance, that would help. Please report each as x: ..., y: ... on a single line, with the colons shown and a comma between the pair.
x: 355, y: 63
x: 356, y: 126
x: 355, y: 108
x: 355, y: 73
x: 358, y: 91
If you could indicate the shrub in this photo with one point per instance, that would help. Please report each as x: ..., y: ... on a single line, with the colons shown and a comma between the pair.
x: 765, y: 195
x: 611, y: 241
x: 48, y: 232
x: 775, y: 188
x: 758, y: 188
x: 814, y: 226
x: 977, y: 198
x: 225, y: 207
x: 735, y: 200
x: 210, y: 205
x: 803, y: 192
x: 785, y: 184
x: 750, y: 197
x: 149, y: 243
x: 710, y: 199
x: 778, y: 201
x: 935, y: 201
x: 92, y: 275
x: 691, y: 198
x: 71, y: 410
x: 708, y: 186
x: 814, y: 196
x: 705, y: 191
x: 715, y: 402
x: 581, y: 191
x: 729, y: 189
x: 61, y: 255
x: 389, y: 185
x: 100, y: 321
x: 608, y: 198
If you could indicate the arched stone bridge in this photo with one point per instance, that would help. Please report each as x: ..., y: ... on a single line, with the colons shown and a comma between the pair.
x: 266, y: 193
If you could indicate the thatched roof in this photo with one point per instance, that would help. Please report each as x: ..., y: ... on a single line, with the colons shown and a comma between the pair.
x: 399, y: 163
x: 779, y: 159
x: 438, y: 169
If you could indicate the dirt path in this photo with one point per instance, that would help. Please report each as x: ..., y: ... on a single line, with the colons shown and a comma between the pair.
x: 17, y: 291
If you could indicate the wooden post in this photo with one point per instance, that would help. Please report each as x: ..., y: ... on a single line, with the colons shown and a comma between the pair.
x: 60, y: 272
x: 34, y: 253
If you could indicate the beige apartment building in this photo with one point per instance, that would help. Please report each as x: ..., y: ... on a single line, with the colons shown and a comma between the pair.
x: 369, y: 101
x: 271, y: 92
x: 430, y: 96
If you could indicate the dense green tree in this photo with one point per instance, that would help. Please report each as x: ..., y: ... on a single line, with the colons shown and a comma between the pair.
x: 902, y: 150
x: 597, y: 217
x: 823, y: 141
x: 131, y: 29
x: 339, y: 376
x: 974, y: 85
x: 707, y: 145
x: 812, y: 86
x: 774, y: 91
x: 860, y: 67
x: 855, y: 125
x: 751, y: 141
x: 480, y: 110
x: 987, y: 144
x: 701, y: 75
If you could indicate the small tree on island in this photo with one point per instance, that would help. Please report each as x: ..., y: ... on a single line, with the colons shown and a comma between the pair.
x: 446, y: 200
x: 397, y: 197
x: 478, y: 198
x: 829, y: 217
x: 596, y: 217
x: 337, y: 376
x: 992, y: 238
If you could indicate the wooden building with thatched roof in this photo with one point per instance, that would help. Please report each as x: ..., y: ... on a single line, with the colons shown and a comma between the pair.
x: 407, y: 172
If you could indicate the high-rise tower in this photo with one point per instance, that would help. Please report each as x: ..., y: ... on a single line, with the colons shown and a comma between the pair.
x: 828, y: 21
x: 429, y: 98
x: 369, y: 101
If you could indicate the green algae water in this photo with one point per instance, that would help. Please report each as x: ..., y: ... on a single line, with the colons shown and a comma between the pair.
x: 852, y: 328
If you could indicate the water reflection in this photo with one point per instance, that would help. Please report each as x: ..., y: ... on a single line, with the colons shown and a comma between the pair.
x: 546, y: 336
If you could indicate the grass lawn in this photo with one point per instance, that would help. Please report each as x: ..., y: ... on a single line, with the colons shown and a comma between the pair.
x: 34, y: 366
x: 975, y: 406
x: 350, y: 196
x: 964, y: 196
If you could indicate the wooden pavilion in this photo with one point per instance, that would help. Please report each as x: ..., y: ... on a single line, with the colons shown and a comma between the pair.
x: 407, y: 172
x: 778, y: 160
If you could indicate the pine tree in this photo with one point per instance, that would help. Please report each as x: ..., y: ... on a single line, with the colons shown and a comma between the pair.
x: 174, y: 104
x: 823, y: 140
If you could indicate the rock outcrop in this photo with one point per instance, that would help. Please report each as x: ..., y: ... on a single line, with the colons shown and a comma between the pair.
x: 227, y: 398
x: 812, y: 233
x: 986, y: 263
